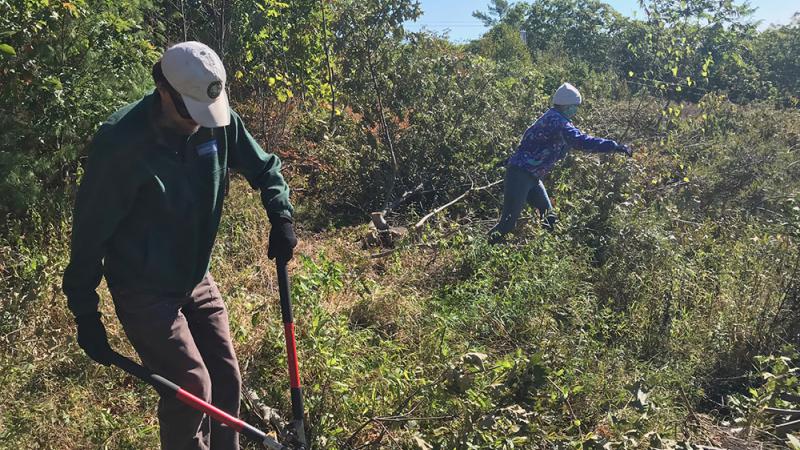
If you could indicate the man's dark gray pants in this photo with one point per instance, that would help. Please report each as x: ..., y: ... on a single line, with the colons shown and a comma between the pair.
x: 521, y: 187
x: 186, y: 338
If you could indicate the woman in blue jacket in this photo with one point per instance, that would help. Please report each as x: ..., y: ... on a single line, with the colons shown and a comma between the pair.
x: 543, y: 144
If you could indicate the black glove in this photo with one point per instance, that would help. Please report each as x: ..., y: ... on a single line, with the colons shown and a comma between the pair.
x: 92, y: 338
x: 625, y: 149
x: 282, y: 240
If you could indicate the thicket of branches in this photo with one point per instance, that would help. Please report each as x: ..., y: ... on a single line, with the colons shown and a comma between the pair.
x: 635, y: 325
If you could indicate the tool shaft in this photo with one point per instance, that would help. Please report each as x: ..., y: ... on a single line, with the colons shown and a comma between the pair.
x: 167, y: 388
x: 291, y: 352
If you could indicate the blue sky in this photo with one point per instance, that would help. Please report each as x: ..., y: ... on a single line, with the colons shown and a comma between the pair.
x: 456, y: 15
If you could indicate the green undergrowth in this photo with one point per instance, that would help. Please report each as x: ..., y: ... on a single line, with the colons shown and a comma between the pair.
x: 453, y: 345
x: 626, y: 328
x: 661, y: 313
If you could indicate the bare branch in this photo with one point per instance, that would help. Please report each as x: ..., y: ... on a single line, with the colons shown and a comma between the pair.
x: 452, y: 202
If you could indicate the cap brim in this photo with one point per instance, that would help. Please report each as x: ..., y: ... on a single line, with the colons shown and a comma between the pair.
x: 209, y: 115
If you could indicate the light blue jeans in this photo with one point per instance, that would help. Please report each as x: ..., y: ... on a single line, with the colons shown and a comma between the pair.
x: 522, y: 187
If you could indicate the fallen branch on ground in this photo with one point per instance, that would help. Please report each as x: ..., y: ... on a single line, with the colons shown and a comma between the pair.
x: 422, y: 221
x: 379, y: 217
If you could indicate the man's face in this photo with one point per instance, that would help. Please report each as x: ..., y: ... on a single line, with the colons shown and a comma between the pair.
x: 175, y: 116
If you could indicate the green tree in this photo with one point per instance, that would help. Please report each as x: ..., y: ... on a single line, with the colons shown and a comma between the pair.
x: 504, y: 45
x: 777, y: 53
x: 676, y: 49
x: 281, y: 45
x: 64, y: 67
x: 278, y: 61
x: 501, y: 11
x: 368, y: 35
x: 581, y: 29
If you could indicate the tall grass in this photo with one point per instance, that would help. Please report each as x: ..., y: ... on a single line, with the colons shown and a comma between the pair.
x: 618, y: 329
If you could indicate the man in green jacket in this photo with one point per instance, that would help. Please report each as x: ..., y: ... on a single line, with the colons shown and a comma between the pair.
x: 146, y: 218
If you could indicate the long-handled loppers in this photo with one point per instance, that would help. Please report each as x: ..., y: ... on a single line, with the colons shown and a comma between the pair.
x: 168, y: 388
x: 291, y: 354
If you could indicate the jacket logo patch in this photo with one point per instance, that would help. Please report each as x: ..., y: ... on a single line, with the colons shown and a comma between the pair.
x: 207, y: 148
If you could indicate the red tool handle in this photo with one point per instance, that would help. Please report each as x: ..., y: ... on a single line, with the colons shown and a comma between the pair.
x: 296, y: 388
x: 168, y: 388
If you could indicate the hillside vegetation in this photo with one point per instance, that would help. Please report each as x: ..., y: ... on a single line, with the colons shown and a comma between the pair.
x: 661, y: 313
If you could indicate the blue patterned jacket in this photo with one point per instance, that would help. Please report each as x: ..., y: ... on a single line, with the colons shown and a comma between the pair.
x: 547, y: 141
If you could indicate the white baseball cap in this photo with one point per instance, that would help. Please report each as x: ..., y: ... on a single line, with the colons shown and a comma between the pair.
x: 197, y: 73
x: 567, y: 94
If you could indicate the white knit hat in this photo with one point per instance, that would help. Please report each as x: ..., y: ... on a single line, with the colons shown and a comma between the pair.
x: 567, y: 94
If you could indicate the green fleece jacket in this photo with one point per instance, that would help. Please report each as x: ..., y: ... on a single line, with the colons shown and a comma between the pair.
x: 149, y: 204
